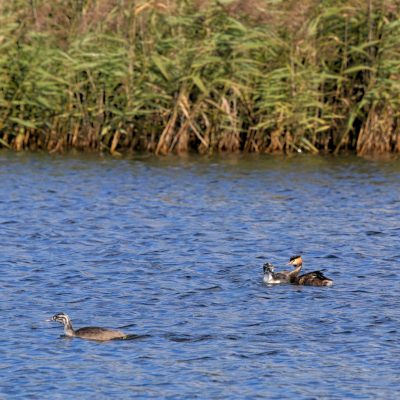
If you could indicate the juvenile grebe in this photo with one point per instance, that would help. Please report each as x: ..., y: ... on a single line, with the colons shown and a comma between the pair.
x: 315, y: 278
x: 90, y: 332
x: 271, y: 277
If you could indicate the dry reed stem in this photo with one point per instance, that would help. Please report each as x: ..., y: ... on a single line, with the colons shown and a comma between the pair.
x: 172, y: 76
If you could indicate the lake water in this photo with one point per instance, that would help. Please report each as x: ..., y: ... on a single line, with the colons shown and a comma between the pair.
x: 172, y: 249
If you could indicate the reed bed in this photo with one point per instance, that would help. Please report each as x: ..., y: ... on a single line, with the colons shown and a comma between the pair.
x: 204, y: 76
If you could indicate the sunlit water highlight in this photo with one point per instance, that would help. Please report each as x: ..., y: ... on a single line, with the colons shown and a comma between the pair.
x: 173, y: 250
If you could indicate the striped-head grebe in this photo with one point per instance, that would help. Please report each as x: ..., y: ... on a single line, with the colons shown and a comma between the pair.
x: 315, y: 278
x: 90, y: 332
x: 279, y: 277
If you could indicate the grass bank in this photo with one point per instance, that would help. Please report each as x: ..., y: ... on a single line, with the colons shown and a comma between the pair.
x: 206, y: 76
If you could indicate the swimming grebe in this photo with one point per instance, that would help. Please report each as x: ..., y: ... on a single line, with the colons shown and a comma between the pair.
x: 315, y: 278
x: 280, y: 277
x: 90, y: 332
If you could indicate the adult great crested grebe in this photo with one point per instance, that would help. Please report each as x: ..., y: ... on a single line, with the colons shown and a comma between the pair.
x: 315, y: 278
x: 90, y: 332
x: 280, y: 277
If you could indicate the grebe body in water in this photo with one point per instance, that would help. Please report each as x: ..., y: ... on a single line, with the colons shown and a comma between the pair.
x: 315, y: 278
x: 279, y: 277
x: 90, y: 332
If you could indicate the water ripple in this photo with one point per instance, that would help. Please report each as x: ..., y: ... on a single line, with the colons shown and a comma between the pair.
x: 171, y: 252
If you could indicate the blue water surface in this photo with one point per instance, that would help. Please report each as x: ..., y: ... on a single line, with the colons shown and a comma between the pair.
x: 172, y: 249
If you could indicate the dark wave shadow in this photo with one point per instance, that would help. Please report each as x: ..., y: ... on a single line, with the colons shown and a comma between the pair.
x: 135, y: 337
x: 187, y: 338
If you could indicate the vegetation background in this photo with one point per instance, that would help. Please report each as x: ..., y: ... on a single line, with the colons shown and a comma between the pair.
x: 206, y: 76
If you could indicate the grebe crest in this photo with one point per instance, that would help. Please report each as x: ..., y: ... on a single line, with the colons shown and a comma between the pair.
x: 295, y: 261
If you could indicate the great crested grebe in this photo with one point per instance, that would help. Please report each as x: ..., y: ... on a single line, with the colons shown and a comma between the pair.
x: 315, y: 278
x: 90, y: 332
x: 279, y: 277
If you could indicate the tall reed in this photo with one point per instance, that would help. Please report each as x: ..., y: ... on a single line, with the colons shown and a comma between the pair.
x: 178, y: 76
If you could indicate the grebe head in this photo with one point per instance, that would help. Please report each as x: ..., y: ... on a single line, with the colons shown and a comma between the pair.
x: 268, y: 267
x: 61, y: 318
x: 295, y: 261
